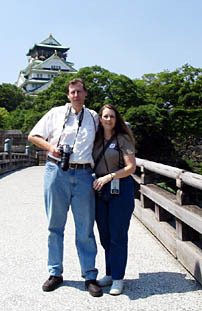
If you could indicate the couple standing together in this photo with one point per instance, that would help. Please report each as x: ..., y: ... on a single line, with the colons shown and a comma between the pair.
x: 78, y: 143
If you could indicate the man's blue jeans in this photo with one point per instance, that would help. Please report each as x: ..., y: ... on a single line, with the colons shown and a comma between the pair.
x: 61, y: 189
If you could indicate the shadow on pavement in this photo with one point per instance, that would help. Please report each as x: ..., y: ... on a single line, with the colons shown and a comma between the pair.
x: 76, y: 284
x: 11, y: 172
x: 149, y: 284
x: 159, y: 283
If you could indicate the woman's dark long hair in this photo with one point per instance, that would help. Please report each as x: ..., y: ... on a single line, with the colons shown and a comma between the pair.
x: 120, y: 125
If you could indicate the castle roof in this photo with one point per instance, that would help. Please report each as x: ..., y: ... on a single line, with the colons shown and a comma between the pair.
x: 50, y: 43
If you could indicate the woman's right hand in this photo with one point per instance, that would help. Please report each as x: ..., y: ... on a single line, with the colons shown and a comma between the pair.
x: 99, y: 183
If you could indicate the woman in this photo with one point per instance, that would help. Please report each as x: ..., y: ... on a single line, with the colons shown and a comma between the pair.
x: 114, y: 155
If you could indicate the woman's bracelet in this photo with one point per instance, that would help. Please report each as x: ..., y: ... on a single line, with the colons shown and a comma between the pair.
x: 112, y: 176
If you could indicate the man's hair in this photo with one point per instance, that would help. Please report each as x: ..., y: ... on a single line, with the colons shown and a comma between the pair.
x: 75, y: 81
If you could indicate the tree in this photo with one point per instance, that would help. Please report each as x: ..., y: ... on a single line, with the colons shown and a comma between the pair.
x: 180, y: 88
x: 103, y: 87
x: 190, y: 93
x: 151, y: 130
x: 106, y: 87
x: 3, y: 118
x: 31, y: 119
x: 11, y: 96
x: 164, y: 109
x: 16, y: 118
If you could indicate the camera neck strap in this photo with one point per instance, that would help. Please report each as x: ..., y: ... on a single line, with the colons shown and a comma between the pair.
x: 65, y: 122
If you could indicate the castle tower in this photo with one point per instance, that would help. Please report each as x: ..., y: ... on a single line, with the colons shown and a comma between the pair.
x: 47, y: 59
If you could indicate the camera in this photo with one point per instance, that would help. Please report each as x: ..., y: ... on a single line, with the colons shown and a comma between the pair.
x: 99, y: 193
x: 65, y: 151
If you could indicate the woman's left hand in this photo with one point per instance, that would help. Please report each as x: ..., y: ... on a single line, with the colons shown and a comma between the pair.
x: 99, y: 183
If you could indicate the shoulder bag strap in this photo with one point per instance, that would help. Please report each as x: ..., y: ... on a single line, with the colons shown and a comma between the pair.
x: 103, y: 151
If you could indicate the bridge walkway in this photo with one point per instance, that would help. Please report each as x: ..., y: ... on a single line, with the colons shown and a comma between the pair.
x: 154, y: 280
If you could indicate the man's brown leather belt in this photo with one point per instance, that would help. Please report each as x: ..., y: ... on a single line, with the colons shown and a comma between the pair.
x: 78, y: 165
x: 71, y: 165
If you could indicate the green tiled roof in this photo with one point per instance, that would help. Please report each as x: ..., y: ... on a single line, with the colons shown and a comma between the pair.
x: 50, y: 41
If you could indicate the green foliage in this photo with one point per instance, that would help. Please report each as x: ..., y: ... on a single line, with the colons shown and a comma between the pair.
x: 30, y: 119
x: 3, y: 118
x: 150, y: 127
x: 199, y: 169
x: 16, y: 118
x: 180, y: 88
x: 11, y: 96
x: 105, y: 87
x: 164, y: 109
x: 147, y: 119
x: 184, y: 122
x: 166, y: 187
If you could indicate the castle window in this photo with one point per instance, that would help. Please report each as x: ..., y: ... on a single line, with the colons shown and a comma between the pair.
x: 55, y: 67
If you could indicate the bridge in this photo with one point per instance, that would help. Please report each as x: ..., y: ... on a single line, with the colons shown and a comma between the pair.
x: 162, y: 274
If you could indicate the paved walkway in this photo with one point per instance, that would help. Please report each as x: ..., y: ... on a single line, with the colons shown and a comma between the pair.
x: 154, y: 279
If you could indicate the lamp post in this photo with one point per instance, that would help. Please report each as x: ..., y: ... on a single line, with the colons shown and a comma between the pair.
x: 27, y: 150
x: 7, y: 145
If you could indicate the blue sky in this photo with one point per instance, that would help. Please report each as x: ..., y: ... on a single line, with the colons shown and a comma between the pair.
x: 130, y: 37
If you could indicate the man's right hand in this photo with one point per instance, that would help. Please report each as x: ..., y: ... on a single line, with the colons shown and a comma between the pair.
x: 54, y: 151
x: 43, y: 144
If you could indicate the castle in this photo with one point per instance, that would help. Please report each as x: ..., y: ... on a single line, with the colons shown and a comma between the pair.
x: 47, y: 59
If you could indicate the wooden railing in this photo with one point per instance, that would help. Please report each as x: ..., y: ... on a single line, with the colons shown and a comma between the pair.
x: 175, y: 218
x: 10, y: 161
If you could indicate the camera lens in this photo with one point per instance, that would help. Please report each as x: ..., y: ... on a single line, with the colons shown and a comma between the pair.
x: 65, y: 155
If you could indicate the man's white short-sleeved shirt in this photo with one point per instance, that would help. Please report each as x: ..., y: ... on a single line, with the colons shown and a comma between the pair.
x: 50, y: 127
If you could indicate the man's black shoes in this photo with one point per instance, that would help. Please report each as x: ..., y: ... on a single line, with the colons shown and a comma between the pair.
x: 52, y: 283
x: 93, y: 288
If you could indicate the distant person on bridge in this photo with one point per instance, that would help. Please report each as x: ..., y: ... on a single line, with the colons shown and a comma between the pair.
x: 67, y: 133
x: 114, y: 155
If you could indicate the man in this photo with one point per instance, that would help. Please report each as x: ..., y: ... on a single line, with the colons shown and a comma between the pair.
x: 67, y: 133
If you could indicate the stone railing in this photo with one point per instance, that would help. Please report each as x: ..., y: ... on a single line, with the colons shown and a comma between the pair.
x: 11, y: 161
x: 174, y: 217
